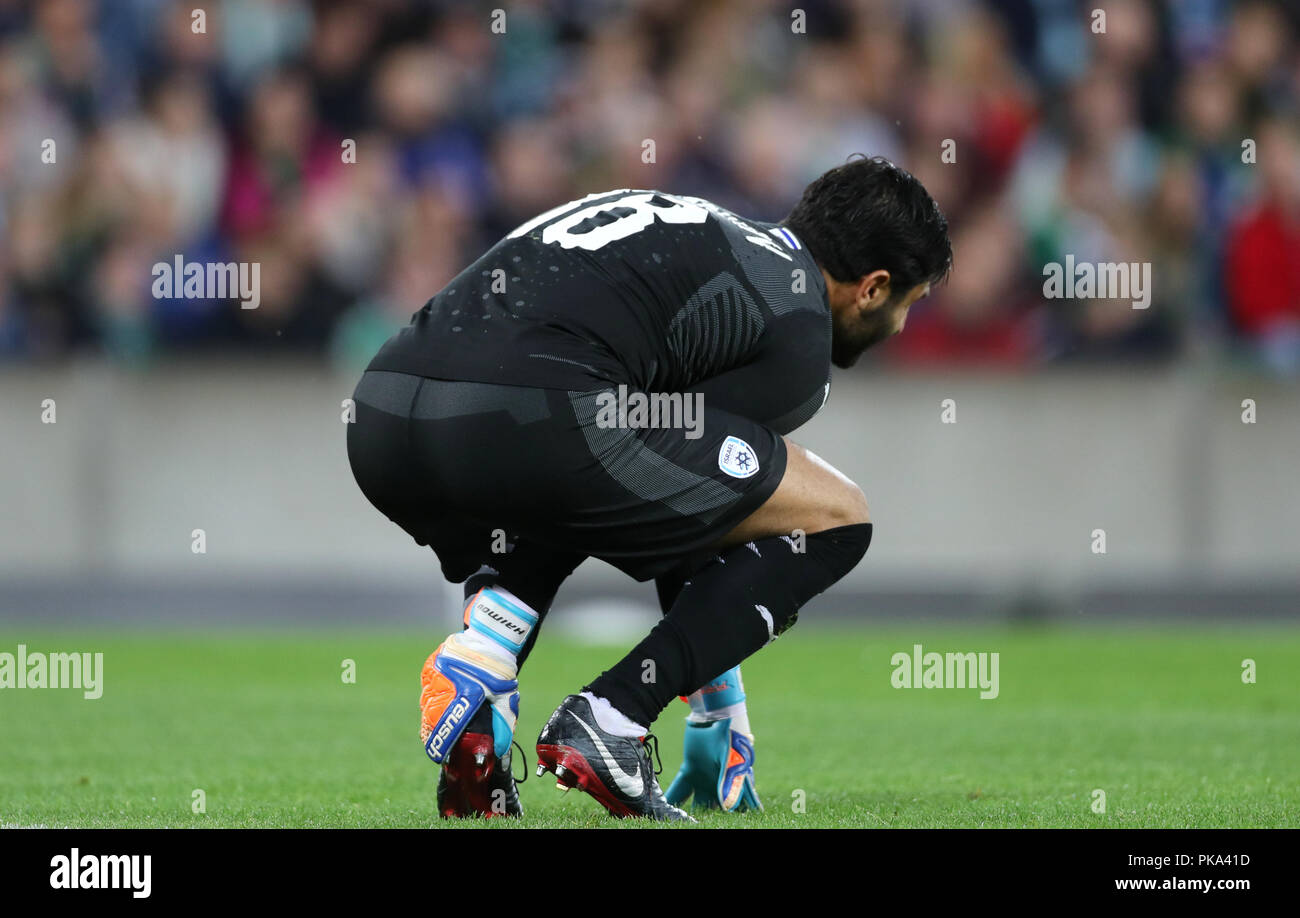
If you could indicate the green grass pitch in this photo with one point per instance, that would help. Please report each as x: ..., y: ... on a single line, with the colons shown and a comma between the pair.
x: 263, y: 724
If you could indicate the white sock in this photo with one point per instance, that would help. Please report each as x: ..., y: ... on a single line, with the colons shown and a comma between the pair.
x: 738, y: 713
x: 612, y: 720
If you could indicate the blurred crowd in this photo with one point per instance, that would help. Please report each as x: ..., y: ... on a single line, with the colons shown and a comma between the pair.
x: 1169, y: 138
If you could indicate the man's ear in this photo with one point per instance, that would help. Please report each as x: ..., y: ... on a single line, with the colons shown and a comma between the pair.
x: 873, y: 290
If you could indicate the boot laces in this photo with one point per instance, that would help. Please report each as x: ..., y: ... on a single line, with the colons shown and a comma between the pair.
x: 650, y: 742
x: 524, y: 759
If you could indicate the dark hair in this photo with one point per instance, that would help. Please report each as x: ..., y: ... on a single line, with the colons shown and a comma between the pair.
x: 868, y: 215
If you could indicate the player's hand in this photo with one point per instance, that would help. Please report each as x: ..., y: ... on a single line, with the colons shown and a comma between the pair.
x: 455, y: 683
x: 717, y: 769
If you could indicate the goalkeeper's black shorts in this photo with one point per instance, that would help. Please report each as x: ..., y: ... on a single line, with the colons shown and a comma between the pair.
x: 464, y: 466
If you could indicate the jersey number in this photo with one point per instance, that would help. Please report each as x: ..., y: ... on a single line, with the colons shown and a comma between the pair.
x: 596, y: 226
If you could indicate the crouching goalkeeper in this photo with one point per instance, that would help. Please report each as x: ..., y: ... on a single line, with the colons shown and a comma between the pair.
x: 496, y: 429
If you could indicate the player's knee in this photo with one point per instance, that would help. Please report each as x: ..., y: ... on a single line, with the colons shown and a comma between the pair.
x: 854, y: 510
x: 847, y: 508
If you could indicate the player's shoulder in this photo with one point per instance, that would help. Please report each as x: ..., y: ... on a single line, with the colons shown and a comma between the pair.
x: 759, y: 237
x: 774, y: 260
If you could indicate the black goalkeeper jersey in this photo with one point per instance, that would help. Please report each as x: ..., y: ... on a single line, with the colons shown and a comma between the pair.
x: 661, y: 292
